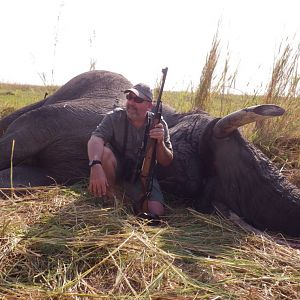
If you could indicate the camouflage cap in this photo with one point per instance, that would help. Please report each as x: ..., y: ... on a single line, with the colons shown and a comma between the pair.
x: 141, y: 90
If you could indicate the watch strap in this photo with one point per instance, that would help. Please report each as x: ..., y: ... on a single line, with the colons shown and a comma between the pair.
x: 95, y: 162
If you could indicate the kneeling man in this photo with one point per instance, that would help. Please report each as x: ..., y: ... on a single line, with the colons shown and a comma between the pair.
x: 115, y: 144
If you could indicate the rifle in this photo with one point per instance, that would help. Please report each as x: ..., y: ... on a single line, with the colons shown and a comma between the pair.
x: 149, y: 160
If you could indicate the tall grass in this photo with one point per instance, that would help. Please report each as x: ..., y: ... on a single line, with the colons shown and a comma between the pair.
x: 273, y: 136
x: 282, y: 90
x: 280, y: 137
x: 202, y: 95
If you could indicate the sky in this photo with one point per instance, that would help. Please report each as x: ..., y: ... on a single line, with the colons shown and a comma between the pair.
x: 50, y: 41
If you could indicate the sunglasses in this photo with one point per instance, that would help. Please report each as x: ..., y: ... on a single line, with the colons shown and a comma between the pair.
x: 134, y: 98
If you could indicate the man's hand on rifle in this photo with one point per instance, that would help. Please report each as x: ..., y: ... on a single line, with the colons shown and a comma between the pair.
x: 157, y: 133
x: 163, y: 155
x: 98, y: 181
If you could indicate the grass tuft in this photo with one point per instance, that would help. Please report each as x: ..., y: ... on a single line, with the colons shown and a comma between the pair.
x: 202, y: 95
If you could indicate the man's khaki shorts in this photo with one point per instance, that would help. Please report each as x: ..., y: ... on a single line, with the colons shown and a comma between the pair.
x: 134, y: 191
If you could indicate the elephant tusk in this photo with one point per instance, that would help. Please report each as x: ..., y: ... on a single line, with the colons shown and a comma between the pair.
x: 231, y: 122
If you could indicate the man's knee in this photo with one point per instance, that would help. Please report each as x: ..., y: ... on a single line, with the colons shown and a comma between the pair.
x: 156, y: 207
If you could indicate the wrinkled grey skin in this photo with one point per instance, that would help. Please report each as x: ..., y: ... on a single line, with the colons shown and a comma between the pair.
x: 51, y: 147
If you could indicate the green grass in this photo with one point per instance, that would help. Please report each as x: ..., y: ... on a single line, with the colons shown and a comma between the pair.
x: 15, y: 96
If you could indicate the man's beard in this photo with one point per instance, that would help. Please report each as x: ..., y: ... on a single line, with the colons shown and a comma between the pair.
x: 132, y: 113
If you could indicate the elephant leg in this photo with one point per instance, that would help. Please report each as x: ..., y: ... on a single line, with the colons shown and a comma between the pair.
x: 23, y: 177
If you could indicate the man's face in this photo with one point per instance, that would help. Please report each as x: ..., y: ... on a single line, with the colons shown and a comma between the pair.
x: 136, y: 108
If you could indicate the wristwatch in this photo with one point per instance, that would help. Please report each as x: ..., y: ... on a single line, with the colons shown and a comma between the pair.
x: 94, y: 162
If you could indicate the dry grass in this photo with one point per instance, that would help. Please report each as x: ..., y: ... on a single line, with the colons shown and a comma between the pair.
x: 282, y: 90
x: 279, y: 138
x: 202, y: 95
x: 58, y: 245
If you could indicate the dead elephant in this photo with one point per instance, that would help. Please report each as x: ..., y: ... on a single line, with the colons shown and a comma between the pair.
x: 212, y: 163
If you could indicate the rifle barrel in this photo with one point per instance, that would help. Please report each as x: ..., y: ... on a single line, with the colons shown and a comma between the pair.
x: 164, y: 71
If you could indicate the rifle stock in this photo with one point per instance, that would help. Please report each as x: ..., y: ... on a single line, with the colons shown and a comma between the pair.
x: 149, y: 161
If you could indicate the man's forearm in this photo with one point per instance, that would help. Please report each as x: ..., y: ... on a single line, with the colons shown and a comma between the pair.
x: 95, y: 148
x: 164, y: 155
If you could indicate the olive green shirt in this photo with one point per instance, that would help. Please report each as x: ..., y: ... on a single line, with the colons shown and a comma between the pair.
x: 112, y: 130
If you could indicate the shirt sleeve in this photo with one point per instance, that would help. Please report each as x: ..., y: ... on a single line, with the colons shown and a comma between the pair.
x: 105, y: 129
